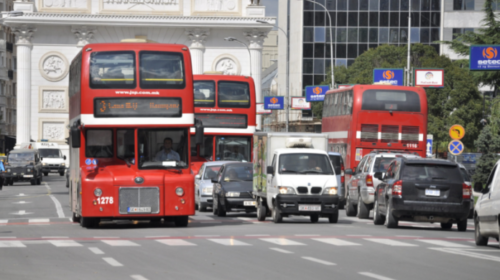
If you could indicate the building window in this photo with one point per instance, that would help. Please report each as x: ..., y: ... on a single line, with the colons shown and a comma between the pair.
x: 415, y: 35
x: 459, y: 5
x: 495, y: 5
x: 319, y: 34
x: 459, y: 31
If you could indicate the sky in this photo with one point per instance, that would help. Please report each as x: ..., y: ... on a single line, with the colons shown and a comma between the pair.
x: 271, y: 7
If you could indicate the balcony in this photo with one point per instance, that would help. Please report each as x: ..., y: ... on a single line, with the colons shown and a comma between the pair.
x: 10, y: 47
x: 10, y: 73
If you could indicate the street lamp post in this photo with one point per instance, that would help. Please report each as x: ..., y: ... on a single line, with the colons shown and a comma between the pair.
x: 409, y: 47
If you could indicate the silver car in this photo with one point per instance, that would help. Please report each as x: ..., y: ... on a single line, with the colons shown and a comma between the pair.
x: 203, y: 184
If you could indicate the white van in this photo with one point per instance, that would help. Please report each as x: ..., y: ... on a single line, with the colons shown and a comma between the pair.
x: 52, y: 158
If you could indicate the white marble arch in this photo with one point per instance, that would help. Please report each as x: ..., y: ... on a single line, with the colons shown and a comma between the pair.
x: 53, y: 129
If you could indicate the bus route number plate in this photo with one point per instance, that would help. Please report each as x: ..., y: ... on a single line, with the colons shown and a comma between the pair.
x: 139, y: 209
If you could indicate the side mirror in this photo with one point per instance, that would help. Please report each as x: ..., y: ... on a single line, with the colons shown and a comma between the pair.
x: 349, y: 172
x: 270, y: 170
x: 64, y: 157
x: 75, y: 137
x: 41, y: 158
x: 214, y: 180
x: 198, y: 176
x: 478, y: 187
x: 200, y: 131
x: 379, y: 175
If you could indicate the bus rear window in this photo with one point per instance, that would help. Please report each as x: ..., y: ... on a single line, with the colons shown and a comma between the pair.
x: 113, y: 70
x: 204, y: 94
x: 391, y: 100
x: 161, y: 70
x: 234, y: 94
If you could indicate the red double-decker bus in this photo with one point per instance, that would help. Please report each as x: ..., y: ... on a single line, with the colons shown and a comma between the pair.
x: 226, y: 106
x: 363, y: 118
x: 131, y: 108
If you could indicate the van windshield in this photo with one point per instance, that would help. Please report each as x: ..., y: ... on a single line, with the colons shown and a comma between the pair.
x: 305, y: 164
x: 50, y: 153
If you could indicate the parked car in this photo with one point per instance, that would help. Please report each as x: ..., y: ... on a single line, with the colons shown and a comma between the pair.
x: 468, y: 180
x: 233, y: 189
x: 361, y: 187
x: 23, y: 165
x: 422, y: 190
x: 338, y: 165
x: 487, y: 209
x: 203, y: 184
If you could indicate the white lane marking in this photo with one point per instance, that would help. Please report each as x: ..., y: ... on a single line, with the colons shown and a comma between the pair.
x: 9, y: 244
x: 106, y: 237
x: 305, y: 235
x: 36, y: 221
x: 443, y: 243
x: 4, y: 221
x: 158, y: 236
x: 200, y: 218
x: 120, y: 243
x: 374, y: 276
x: 390, y: 242
x: 55, y: 237
x: 409, y: 236
x: 96, y: 251
x: 33, y: 242
x: 229, y: 242
x: 175, y: 242
x: 46, y: 185
x: 22, y: 202
x: 22, y: 212
x: 138, y: 277
x: 207, y: 235
x: 112, y: 262
x: 318, y: 261
x: 282, y: 241
x: 336, y: 242
x: 467, y: 253
x: 65, y: 243
x: 7, y: 237
x: 245, y: 218
x: 281, y: 250
x: 459, y: 238
x: 359, y: 235
x: 60, y: 212
x: 21, y: 194
x: 257, y: 235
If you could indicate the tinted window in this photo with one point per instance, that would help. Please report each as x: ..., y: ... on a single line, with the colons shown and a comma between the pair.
x: 50, y: 153
x: 162, y: 70
x: 204, y: 94
x: 125, y: 145
x: 99, y: 143
x: 164, y: 148
x: 21, y: 157
x: 233, y: 148
x: 465, y: 175
x: 211, y: 172
x: 112, y: 70
x: 391, y: 100
x: 337, y: 163
x: 238, y: 173
x: 382, y: 164
x: 233, y: 94
x: 431, y: 172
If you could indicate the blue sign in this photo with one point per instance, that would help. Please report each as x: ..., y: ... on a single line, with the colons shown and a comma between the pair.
x: 484, y: 58
x: 88, y: 161
x: 316, y: 93
x: 94, y: 161
x: 456, y: 147
x: 391, y: 76
x: 274, y: 102
x: 469, y: 158
x: 429, y: 147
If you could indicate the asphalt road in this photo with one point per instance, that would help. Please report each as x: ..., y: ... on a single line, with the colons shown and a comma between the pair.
x: 38, y: 241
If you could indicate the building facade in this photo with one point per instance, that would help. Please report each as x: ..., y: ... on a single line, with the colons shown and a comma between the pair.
x: 50, y: 33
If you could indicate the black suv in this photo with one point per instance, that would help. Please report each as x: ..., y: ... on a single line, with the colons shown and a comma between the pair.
x: 23, y: 165
x: 422, y: 190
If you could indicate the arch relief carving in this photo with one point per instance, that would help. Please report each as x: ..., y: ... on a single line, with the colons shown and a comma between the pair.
x: 227, y: 64
x: 54, y: 66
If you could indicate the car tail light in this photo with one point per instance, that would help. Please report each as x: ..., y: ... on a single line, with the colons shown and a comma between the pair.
x: 397, y: 188
x: 466, y: 191
x: 342, y: 175
x: 369, y: 181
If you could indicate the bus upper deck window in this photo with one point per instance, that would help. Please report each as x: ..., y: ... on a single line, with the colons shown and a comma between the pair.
x: 112, y: 70
x: 233, y: 94
x: 161, y: 70
x: 391, y: 100
x: 204, y: 93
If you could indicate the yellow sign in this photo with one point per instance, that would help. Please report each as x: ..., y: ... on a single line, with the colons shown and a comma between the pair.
x: 457, y: 132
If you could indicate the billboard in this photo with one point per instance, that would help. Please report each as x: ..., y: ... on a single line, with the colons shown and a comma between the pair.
x: 429, y: 77
x: 300, y: 103
x: 261, y: 110
x: 316, y: 93
x: 484, y: 58
x: 274, y: 102
x: 391, y: 76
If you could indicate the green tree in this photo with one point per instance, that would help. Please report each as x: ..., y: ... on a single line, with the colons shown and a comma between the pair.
x: 488, y: 145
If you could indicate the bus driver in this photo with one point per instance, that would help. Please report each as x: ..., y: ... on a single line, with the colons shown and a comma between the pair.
x: 167, y: 153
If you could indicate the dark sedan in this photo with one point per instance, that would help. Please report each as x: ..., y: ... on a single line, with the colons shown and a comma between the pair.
x: 233, y: 189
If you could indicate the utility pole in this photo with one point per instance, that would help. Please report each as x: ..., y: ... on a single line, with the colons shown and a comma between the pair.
x: 409, y: 46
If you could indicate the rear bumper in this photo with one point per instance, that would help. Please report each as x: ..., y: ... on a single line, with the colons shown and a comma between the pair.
x: 289, y: 204
x: 368, y: 195
x: 409, y: 208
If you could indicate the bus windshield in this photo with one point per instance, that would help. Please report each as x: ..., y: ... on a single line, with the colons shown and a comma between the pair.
x: 391, y: 100
x: 163, y: 148
x: 114, y: 70
x: 50, y: 153
x: 204, y: 94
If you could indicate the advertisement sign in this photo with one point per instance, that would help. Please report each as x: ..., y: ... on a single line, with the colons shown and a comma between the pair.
x: 274, y: 102
x: 390, y: 76
x: 484, y: 58
x: 115, y: 107
x: 429, y: 78
x: 300, y: 103
x: 223, y: 120
x: 316, y: 93
x: 261, y: 110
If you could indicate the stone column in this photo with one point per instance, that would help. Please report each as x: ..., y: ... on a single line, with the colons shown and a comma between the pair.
x: 256, y: 39
x: 24, y: 46
x: 197, y: 37
x: 83, y: 34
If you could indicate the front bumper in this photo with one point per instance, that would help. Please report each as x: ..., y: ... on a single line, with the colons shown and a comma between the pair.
x: 289, y: 204
x: 206, y: 200
x: 410, y: 209
x: 18, y: 177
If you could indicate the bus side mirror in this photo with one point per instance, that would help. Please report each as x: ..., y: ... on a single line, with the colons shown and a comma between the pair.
x: 199, y: 132
x: 75, y: 137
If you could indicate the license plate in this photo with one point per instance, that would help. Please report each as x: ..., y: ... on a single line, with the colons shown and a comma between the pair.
x: 430, y: 192
x: 28, y: 176
x: 249, y: 203
x: 139, y: 209
x: 309, y: 207
x: 14, y: 173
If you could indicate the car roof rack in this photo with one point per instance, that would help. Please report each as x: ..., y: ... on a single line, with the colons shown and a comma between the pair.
x: 377, y: 151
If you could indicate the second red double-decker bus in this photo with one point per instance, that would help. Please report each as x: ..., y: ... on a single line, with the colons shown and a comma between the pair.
x: 226, y: 106
x: 363, y: 118
x: 131, y: 108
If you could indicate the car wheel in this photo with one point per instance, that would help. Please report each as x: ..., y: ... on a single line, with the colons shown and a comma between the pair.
x: 33, y: 182
x: 75, y: 218
x: 363, y: 212
x: 214, y: 206
x: 390, y: 220
x: 350, y: 211
x: 61, y: 173
x: 46, y: 173
x: 480, y: 240
x: 38, y: 181
x: 446, y: 226
x: 378, y: 219
x: 333, y: 218
x: 462, y: 225
x: 221, y: 212
x: 261, y: 211
x: 181, y: 221
x: 201, y: 208
x: 314, y: 218
x: 277, y: 218
x: 11, y: 182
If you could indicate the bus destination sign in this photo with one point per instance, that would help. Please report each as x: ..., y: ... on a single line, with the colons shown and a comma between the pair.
x: 223, y: 121
x: 137, y: 107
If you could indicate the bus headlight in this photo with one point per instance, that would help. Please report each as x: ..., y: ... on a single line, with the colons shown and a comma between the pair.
x: 179, y: 191
x: 330, y: 191
x: 98, y: 192
x: 286, y: 190
x: 207, y: 191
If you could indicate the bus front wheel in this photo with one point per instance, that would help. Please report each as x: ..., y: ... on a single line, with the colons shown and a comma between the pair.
x: 181, y: 221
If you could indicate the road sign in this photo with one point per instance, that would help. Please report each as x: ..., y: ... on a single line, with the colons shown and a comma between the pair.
x: 316, y: 93
x: 429, y: 148
x: 484, y: 58
x: 456, y: 147
x: 274, y: 102
x: 390, y: 76
x: 457, y: 132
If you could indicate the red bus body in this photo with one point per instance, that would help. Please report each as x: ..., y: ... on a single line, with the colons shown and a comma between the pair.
x: 128, y: 186
x: 355, y: 128
x: 223, y: 121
